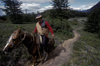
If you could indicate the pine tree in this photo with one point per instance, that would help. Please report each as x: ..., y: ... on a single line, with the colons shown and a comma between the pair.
x: 60, y: 4
x: 60, y: 9
x: 13, y: 10
x: 93, y: 23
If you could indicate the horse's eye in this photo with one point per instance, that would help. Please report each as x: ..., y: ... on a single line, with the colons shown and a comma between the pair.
x: 13, y: 39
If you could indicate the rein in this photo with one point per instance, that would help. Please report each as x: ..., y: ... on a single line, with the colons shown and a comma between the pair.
x: 21, y: 39
x: 32, y: 44
x: 27, y: 43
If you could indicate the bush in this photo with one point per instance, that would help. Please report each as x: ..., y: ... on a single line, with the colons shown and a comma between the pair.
x: 60, y: 26
x: 93, y: 23
x: 16, y: 19
x: 74, y: 22
x: 56, y: 13
x: 4, y: 18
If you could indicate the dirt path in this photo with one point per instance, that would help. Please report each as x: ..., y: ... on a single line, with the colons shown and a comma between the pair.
x: 62, y: 53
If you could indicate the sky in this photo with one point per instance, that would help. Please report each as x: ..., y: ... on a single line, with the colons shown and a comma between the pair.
x: 41, y: 5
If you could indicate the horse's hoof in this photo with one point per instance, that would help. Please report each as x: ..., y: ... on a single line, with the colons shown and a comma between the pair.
x: 46, y: 57
x: 32, y: 65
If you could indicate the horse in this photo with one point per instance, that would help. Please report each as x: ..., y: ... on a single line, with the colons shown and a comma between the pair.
x: 32, y: 43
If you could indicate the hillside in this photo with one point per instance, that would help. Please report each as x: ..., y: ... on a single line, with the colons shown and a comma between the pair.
x: 92, y: 8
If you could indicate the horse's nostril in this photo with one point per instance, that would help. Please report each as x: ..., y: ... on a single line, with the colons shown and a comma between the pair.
x: 5, y: 51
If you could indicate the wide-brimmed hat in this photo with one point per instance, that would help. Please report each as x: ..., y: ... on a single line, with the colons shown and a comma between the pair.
x: 38, y: 16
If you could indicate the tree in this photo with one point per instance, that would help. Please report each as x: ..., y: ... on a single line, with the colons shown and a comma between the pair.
x: 93, y: 23
x: 29, y: 17
x: 60, y: 9
x: 60, y: 4
x: 12, y: 9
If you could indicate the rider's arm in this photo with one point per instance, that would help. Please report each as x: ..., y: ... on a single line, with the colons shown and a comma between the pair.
x: 49, y: 27
x: 35, y: 30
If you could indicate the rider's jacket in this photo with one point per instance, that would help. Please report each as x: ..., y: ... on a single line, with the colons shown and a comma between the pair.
x: 43, y: 28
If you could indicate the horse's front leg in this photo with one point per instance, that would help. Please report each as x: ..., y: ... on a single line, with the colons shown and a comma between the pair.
x: 34, y: 61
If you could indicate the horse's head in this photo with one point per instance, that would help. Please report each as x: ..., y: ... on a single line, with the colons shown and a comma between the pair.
x: 15, y: 39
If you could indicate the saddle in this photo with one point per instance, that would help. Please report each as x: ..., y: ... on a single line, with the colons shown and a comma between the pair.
x: 38, y: 40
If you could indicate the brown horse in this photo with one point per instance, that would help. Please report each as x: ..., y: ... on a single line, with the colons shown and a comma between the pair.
x: 32, y: 43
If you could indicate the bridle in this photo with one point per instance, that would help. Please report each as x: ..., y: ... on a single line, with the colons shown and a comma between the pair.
x: 22, y: 39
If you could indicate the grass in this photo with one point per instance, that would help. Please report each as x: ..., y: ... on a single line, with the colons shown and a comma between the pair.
x: 6, y: 29
x: 86, y: 51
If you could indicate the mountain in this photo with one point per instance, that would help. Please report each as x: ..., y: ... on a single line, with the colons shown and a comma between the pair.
x: 92, y: 8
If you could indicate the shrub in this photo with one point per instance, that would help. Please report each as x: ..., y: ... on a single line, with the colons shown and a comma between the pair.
x: 92, y: 25
x: 60, y: 25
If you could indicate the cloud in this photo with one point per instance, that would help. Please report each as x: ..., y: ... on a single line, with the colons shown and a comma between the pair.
x: 35, y: 1
x: 45, y: 8
x: 42, y: 1
x: 71, y: 1
x: 36, y: 5
x: 84, y: 7
x: 2, y: 12
x: 31, y: 7
x: 88, y: 6
x: 1, y: 6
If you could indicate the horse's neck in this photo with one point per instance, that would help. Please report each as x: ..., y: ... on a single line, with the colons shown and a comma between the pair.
x: 28, y: 41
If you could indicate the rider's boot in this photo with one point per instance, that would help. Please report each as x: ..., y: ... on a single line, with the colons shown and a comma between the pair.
x: 45, y: 55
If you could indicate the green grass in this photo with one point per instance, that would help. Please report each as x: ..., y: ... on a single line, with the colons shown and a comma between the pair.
x: 6, y: 29
x: 86, y: 51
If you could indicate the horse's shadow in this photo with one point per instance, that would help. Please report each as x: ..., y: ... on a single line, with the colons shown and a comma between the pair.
x: 52, y: 55
x: 56, y: 52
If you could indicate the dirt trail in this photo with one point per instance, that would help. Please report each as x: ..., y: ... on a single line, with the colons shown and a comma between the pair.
x: 62, y: 53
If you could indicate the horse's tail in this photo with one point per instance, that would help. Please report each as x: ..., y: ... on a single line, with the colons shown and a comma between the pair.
x: 51, y: 44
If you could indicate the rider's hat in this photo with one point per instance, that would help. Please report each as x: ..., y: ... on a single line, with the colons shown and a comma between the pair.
x: 38, y: 16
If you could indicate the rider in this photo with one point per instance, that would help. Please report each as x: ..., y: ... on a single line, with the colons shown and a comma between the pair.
x: 43, y: 27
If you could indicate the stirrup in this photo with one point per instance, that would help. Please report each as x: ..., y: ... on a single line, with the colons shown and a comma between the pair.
x: 45, y: 54
x: 46, y: 57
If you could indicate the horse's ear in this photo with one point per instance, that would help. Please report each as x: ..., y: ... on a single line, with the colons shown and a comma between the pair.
x: 19, y: 30
x: 14, y: 37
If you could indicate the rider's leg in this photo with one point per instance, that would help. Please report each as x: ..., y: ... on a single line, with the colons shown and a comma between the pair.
x: 45, y: 42
x: 43, y: 39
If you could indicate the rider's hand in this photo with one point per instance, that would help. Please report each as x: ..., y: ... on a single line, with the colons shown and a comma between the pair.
x: 53, y: 36
x: 33, y: 32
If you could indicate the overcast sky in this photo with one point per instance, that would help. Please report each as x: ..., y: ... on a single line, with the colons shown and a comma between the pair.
x: 41, y: 5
